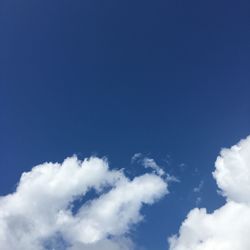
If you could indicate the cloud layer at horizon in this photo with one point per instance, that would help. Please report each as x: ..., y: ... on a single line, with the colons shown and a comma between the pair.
x: 228, y: 227
x: 41, y: 215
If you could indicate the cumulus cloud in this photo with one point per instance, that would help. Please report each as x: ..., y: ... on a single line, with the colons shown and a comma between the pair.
x: 228, y: 227
x: 40, y: 214
x: 232, y: 172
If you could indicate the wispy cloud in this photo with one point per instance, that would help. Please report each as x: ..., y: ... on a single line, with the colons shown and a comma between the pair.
x: 197, y: 190
x: 199, y: 187
x: 150, y: 163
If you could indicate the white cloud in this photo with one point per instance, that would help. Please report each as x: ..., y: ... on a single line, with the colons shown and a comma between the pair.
x: 228, y: 227
x: 148, y: 163
x: 39, y: 215
x: 198, y: 201
x: 136, y: 157
x: 233, y: 172
x: 199, y: 187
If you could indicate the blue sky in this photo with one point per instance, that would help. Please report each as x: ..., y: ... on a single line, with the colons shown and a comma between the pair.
x: 169, y: 79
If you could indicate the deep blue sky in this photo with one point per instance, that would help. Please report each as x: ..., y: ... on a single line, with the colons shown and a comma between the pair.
x: 170, y: 79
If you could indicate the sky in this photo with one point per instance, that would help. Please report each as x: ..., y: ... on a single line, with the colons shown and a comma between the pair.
x: 143, y: 91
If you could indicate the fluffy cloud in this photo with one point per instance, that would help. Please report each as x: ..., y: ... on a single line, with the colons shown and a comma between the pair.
x: 228, y: 227
x: 41, y: 215
x: 233, y: 172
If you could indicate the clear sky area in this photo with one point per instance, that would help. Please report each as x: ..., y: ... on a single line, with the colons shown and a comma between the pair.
x: 157, y: 88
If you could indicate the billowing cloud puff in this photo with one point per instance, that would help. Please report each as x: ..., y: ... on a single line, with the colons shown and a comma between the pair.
x: 42, y: 214
x: 233, y: 172
x: 228, y: 227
